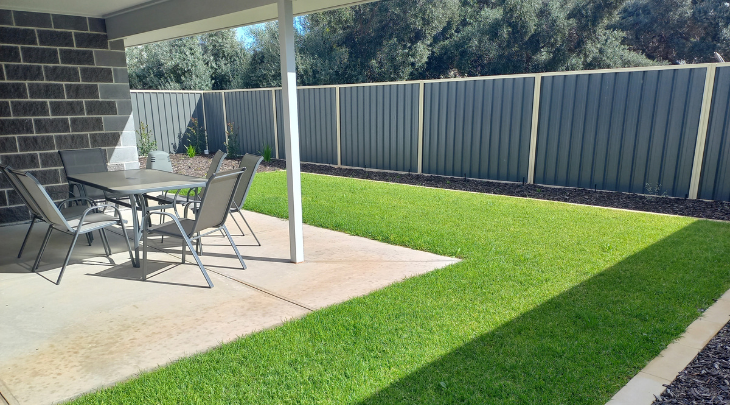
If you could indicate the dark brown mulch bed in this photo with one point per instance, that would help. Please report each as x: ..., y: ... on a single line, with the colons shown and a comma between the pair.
x: 719, y: 210
x: 706, y: 380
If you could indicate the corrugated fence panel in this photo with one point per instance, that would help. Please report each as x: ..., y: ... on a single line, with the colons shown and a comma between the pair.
x: 214, y: 118
x: 379, y: 126
x: 624, y: 131
x: 167, y: 115
x: 317, y: 125
x: 251, y: 113
x: 715, y: 180
x: 478, y: 129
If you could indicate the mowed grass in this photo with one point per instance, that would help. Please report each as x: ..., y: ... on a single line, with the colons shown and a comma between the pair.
x: 552, y: 304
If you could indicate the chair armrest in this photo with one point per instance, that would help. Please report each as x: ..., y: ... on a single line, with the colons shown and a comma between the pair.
x: 68, y: 200
x: 96, y: 207
x: 174, y: 218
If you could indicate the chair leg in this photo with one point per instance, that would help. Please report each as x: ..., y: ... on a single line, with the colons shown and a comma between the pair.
x: 42, y: 249
x: 27, y: 234
x: 126, y: 239
x: 183, y: 251
x: 144, y: 254
x: 187, y: 241
x: 68, y: 256
x: 249, y: 227
x: 105, y: 242
x: 233, y: 245
x: 89, y: 238
x: 238, y: 225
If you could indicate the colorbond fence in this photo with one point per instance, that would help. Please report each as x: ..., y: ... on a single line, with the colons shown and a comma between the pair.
x: 645, y: 130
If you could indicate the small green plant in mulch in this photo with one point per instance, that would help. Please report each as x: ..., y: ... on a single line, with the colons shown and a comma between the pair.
x: 145, y: 140
x: 266, y: 152
x: 232, y: 142
x: 654, y: 190
x: 196, y: 137
x: 191, y: 152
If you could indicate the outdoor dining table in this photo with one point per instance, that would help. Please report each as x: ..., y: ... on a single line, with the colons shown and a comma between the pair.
x: 136, y: 183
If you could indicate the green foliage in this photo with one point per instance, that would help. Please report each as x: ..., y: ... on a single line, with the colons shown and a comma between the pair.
x: 178, y: 64
x: 266, y: 153
x: 232, y: 141
x: 551, y: 304
x: 196, y: 136
x: 677, y: 31
x: 225, y: 57
x: 145, y: 140
x: 191, y: 151
x: 391, y: 40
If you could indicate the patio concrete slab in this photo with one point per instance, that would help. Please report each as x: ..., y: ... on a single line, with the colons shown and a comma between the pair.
x: 102, y: 324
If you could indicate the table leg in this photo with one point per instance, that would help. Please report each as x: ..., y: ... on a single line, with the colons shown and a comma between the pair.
x: 135, y: 229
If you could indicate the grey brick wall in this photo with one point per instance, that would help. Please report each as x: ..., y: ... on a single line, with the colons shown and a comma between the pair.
x: 63, y: 85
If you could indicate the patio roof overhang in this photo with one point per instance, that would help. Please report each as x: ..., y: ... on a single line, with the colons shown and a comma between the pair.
x: 143, y: 21
x: 139, y: 22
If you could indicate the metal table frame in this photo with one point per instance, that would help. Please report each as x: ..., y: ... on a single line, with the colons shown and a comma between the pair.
x: 136, y: 183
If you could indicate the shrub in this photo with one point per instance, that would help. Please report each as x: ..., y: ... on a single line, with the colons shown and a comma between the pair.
x: 196, y: 137
x: 146, y: 140
x: 267, y: 153
x: 231, y: 141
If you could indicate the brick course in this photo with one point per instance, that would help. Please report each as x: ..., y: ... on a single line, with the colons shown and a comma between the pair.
x: 63, y: 85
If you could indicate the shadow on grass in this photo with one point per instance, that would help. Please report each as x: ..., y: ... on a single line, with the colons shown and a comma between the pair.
x: 582, y: 346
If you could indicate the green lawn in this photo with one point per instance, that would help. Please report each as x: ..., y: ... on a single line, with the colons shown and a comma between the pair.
x: 552, y: 304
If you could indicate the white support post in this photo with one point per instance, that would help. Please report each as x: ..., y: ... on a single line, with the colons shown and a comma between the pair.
x: 276, y: 129
x: 533, y: 130
x: 694, y: 183
x: 291, y: 128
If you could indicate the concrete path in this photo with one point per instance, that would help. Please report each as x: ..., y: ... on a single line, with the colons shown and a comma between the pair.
x: 103, y: 325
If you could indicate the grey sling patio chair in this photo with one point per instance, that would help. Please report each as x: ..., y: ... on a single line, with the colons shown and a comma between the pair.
x: 251, y: 163
x: 69, y: 211
x: 81, y: 161
x: 192, y: 194
x: 159, y: 160
x: 213, y: 209
x: 89, y: 221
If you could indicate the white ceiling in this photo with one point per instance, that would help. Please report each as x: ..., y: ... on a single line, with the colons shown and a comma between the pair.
x: 85, y: 8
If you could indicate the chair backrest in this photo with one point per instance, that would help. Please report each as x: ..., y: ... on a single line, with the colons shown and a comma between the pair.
x: 20, y: 189
x: 215, y: 163
x: 40, y: 198
x: 251, y: 163
x: 81, y: 161
x: 159, y: 160
x: 217, y: 198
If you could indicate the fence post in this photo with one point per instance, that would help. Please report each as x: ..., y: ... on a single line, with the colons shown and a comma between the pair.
x: 694, y: 184
x: 339, y: 127
x: 205, y: 121
x: 421, y: 87
x: 225, y: 121
x: 533, y: 130
x: 276, y: 129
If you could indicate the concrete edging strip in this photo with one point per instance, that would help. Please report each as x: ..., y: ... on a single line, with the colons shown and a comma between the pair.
x: 649, y: 382
x: 5, y: 396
